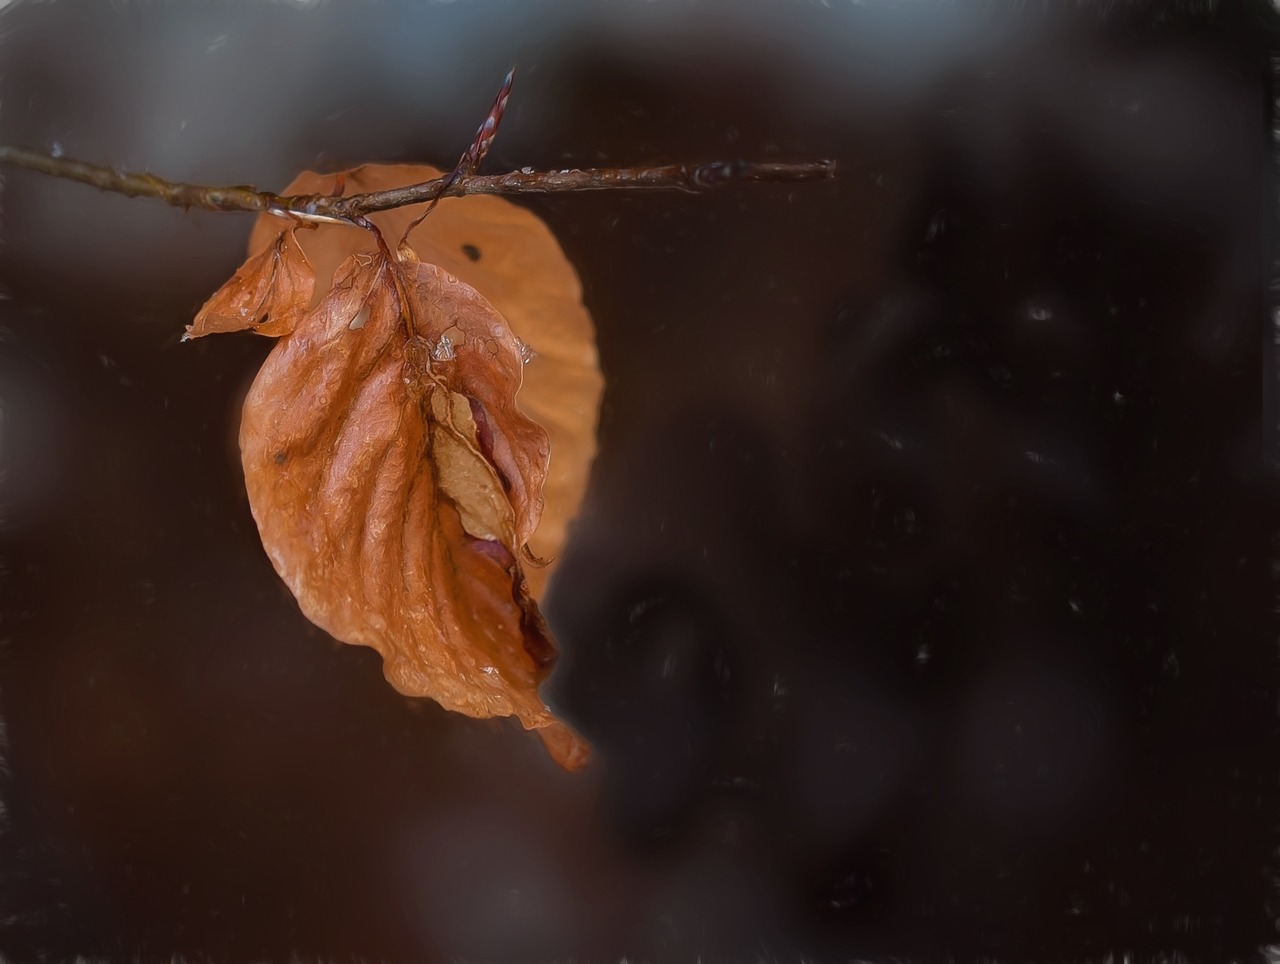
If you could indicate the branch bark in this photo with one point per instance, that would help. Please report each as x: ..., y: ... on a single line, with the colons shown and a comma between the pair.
x: 349, y: 210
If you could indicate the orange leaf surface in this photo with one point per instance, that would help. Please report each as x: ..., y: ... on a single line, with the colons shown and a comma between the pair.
x: 394, y: 479
x: 511, y: 257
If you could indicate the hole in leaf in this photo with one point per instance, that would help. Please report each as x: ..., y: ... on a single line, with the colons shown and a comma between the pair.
x: 450, y: 339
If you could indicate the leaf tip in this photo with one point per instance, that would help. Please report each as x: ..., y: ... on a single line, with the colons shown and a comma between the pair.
x: 532, y: 559
x: 568, y: 749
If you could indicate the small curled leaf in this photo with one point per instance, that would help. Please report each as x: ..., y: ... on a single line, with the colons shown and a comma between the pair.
x: 269, y: 294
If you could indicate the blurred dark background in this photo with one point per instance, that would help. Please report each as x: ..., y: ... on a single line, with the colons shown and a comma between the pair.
x: 923, y: 600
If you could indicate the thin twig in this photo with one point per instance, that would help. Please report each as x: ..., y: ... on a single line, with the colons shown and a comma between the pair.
x: 473, y: 157
x: 668, y: 177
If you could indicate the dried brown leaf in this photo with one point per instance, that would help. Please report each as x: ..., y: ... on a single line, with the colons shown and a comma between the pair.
x: 394, y: 479
x: 377, y: 500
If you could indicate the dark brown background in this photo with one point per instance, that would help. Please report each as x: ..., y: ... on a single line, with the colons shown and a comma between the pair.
x: 922, y: 602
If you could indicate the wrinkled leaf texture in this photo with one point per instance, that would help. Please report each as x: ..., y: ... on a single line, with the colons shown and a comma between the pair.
x: 394, y: 478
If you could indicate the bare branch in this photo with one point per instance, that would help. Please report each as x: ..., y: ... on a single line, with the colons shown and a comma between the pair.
x: 239, y: 198
x: 669, y: 177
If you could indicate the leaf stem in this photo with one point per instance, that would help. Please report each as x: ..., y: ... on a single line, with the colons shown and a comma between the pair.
x: 389, y: 265
x: 667, y: 177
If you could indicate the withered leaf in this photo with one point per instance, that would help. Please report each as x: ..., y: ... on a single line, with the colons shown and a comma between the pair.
x: 270, y: 293
x: 393, y: 478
